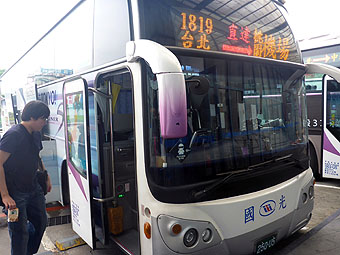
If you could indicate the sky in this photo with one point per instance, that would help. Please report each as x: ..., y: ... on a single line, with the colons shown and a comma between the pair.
x: 23, y: 22
x: 310, y: 18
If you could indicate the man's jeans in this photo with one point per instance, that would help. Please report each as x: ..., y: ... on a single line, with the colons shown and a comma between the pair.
x: 26, y: 234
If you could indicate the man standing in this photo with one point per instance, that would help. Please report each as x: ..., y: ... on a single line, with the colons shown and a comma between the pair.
x: 19, y: 157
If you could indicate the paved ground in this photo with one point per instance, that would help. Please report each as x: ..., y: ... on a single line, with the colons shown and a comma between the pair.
x: 61, y: 231
x: 327, y: 201
x: 320, y: 236
x: 52, y: 234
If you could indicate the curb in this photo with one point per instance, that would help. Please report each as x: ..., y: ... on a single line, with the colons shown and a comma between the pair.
x: 68, y: 243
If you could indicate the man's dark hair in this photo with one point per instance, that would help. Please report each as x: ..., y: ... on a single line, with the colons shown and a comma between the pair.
x: 35, y: 109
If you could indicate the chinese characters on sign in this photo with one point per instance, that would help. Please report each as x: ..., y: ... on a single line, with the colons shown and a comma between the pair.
x: 268, y: 46
x: 265, y: 209
x: 249, y: 214
x: 75, y: 213
x: 282, y: 202
x: 264, y: 46
x: 244, y: 35
x: 191, y: 24
x: 332, y: 58
x: 241, y: 39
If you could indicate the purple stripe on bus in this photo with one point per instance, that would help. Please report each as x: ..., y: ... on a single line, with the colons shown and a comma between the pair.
x: 78, y: 179
x: 328, y: 146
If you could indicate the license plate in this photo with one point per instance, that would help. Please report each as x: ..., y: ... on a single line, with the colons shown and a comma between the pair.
x: 265, y: 244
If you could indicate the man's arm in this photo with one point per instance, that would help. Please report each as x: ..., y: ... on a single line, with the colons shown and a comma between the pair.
x: 6, y: 198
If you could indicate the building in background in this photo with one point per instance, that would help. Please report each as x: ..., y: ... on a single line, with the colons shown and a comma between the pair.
x: 323, y: 49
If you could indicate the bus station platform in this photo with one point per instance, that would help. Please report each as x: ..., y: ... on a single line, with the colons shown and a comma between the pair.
x: 59, y: 238
x: 322, y: 239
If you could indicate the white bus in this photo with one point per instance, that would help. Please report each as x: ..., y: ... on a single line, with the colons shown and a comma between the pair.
x: 179, y: 126
x: 323, y: 107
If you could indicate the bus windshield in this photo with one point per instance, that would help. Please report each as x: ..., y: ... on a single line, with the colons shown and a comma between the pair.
x: 253, y: 28
x: 242, y: 115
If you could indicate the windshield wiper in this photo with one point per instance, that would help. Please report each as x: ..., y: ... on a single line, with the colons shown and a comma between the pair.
x: 202, y: 193
x: 273, y: 160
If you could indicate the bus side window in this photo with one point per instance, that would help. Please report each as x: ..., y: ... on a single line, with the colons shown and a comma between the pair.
x: 122, y: 115
x: 199, y: 108
x: 122, y: 122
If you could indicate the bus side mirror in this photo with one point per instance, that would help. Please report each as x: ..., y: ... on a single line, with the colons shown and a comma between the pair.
x: 172, y: 105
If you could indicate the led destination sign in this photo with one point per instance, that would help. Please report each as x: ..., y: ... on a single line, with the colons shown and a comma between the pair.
x: 197, y: 30
x: 200, y: 25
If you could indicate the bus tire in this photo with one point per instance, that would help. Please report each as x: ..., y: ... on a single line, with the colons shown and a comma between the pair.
x: 314, y: 163
x: 64, y: 184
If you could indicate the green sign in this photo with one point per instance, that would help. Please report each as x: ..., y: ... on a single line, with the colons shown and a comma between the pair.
x: 329, y: 58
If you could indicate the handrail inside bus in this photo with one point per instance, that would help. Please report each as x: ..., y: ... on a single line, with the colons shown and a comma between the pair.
x: 103, y: 200
x: 99, y: 92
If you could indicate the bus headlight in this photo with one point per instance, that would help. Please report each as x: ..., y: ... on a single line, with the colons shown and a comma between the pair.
x: 190, y: 237
x: 207, y: 235
x: 184, y: 236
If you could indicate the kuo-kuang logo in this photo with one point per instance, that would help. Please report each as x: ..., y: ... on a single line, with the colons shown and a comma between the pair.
x: 267, y: 208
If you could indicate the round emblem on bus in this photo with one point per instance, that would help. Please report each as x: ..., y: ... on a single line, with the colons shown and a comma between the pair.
x: 267, y: 208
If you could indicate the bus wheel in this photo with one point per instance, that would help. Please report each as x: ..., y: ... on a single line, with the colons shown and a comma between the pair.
x: 64, y: 184
x: 314, y: 163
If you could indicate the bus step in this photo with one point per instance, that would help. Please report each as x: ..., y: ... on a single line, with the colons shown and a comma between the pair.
x: 129, y: 239
x: 59, y: 220
x: 58, y: 215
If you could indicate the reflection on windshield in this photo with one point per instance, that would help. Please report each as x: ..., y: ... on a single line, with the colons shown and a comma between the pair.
x: 245, y: 114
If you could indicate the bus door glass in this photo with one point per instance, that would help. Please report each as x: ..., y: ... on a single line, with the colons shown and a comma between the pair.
x: 331, y: 129
x: 117, y: 156
x: 78, y: 158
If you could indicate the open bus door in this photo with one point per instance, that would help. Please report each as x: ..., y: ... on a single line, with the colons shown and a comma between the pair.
x: 75, y: 97
x: 117, y: 168
x: 330, y: 163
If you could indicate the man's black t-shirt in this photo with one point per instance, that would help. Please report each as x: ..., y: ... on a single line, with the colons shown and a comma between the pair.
x: 21, y: 166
